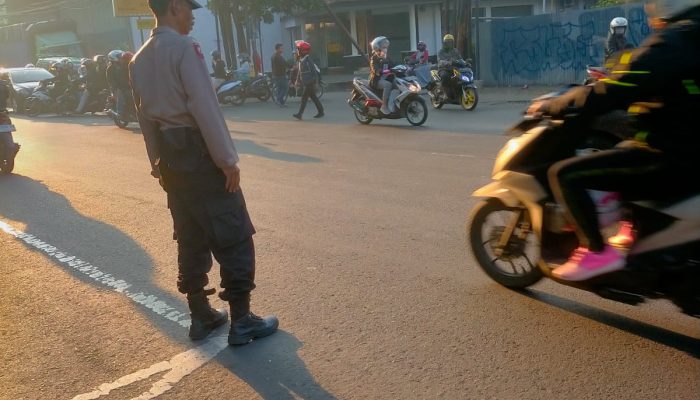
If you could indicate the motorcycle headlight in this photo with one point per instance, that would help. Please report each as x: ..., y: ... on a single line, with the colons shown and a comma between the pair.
x: 465, y: 78
x: 414, y: 88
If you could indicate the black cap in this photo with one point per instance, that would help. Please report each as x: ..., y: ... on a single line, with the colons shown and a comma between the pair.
x: 159, y: 4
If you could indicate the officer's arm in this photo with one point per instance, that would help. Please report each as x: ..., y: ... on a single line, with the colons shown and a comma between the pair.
x: 204, y: 107
x: 150, y: 132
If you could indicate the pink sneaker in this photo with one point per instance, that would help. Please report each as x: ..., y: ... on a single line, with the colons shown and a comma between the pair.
x: 585, y: 264
x: 624, y: 237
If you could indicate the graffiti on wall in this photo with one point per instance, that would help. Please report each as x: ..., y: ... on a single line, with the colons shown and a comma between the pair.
x: 549, y: 45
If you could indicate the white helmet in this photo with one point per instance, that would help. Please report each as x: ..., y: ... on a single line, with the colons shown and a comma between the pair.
x: 115, y: 55
x: 379, y: 42
x: 618, y: 25
x: 668, y: 9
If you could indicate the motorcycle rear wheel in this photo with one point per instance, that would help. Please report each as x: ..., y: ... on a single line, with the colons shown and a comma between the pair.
x: 484, y: 241
x: 437, y: 104
x: 7, y: 166
x: 469, y: 98
x: 363, y: 118
x: 265, y: 96
x: 33, y: 107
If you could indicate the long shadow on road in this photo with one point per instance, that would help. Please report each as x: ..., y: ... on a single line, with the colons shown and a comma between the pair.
x: 49, y: 216
x: 659, y: 335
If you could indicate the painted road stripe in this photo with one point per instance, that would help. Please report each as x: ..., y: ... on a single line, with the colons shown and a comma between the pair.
x: 149, y: 301
x: 176, y: 368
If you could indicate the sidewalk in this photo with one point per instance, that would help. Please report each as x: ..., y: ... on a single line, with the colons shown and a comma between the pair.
x: 487, y: 94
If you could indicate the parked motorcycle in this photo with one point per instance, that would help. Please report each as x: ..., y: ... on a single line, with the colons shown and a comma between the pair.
x: 47, y: 98
x: 518, y: 233
x: 404, y: 101
x: 236, y: 92
x: 462, y: 89
x: 8, y: 147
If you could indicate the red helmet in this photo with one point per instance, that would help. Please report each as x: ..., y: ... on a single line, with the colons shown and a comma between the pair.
x: 303, y: 47
x: 127, y: 56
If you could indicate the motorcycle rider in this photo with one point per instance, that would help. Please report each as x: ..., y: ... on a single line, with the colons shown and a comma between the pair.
x: 90, y: 78
x: 379, y: 66
x: 114, y: 74
x: 617, y: 39
x: 446, y: 57
x: 421, y: 56
x: 100, y: 72
x: 307, y: 77
x: 665, y: 69
x: 124, y: 88
x: 243, y: 71
x: 219, y: 67
x: 6, y: 127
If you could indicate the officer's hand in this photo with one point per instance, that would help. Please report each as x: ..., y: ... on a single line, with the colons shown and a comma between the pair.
x: 233, y: 178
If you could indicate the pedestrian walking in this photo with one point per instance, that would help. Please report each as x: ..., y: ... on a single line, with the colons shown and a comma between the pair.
x: 191, y: 152
x: 279, y: 75
x: 307, y: 77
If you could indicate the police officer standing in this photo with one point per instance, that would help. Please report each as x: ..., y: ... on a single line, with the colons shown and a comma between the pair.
x: 191, y: 151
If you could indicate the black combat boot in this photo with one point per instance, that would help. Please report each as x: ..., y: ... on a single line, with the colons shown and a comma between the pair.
x: 204, y: 318
x: 246, y: 326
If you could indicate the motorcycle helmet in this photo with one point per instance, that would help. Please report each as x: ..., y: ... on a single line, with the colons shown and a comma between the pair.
x: 303, y: 47
x: 216, y: 54
x: 618, y: 26
x: 115, y: 55
x: 66, y: 62
x: 86, y: 62
x: 243, y: 57
x: 669, y: 9
x: 100, y: 59
x: 380, y: 43
x: 127, y: 56
x: 448, y: 41
x: 421, y: 46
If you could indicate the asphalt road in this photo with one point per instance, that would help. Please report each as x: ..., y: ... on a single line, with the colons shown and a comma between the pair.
x: 361, y: 254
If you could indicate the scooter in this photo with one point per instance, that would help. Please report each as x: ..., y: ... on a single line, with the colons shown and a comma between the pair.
x: 462, y: 90
x: 518, y: 233
x: 236, y: 92
x: 404, y: 101
x: 8, y: 147
x: 594, y: 74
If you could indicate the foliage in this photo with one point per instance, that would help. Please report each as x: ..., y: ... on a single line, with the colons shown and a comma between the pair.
x: 608, y: 3
x: 246, y: 10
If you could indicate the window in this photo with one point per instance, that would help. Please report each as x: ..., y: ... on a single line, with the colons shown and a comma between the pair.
x: 512, y: 11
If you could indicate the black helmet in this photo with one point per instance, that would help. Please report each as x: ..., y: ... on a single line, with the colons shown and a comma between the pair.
x: 100, y: 59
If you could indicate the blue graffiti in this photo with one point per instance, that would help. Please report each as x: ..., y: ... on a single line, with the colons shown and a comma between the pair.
x: 531, y: 48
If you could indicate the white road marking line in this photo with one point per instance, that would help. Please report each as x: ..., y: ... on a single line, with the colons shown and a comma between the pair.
x: 453, y: 155
x: 149, y: 301
x: 177, y: 368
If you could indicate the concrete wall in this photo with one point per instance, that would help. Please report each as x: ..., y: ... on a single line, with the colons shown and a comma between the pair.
x: 430, y: 27
x: 551, y: 49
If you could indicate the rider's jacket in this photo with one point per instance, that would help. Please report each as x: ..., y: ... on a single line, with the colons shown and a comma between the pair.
x: 659, y: 81
x: 377, y: 65
x: 449, y: 55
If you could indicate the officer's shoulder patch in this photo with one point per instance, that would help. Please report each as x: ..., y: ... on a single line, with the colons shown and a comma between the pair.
x: 198, y: 50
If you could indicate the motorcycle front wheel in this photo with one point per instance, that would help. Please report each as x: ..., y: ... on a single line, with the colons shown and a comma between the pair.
x: 514, y: 264
x: 416, y: 111
x: 237, y: 99
x: 469, y: 98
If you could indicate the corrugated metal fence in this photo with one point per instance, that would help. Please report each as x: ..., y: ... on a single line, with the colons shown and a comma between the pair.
x: 551, y: 49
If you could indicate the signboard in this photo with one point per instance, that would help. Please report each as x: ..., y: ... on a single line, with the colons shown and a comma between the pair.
x: 146, y: 24
x: 130, y: 8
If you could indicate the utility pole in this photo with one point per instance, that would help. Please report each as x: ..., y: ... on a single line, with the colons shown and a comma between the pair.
x: 345, y: 29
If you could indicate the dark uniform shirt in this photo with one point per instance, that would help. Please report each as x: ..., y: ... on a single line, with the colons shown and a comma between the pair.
x: 279, y: 66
